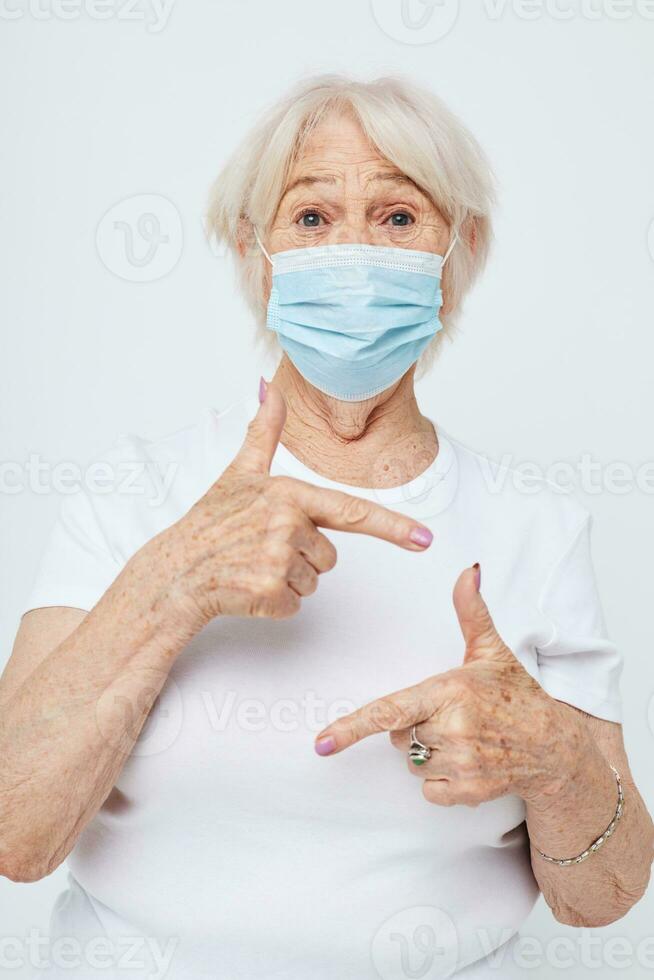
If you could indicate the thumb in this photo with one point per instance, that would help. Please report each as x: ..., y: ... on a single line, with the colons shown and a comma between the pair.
x: 264, y: 432
x: 482, y: 639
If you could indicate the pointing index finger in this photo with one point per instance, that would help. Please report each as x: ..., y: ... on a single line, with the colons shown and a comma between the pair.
x: 388, y: 714
x: 340, y: 511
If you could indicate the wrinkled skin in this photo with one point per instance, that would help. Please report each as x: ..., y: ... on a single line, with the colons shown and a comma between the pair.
x: 491, y: 727
x: 251, y: 545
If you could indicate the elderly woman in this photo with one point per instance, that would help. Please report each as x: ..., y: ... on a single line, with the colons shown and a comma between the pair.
x: 261, y: 824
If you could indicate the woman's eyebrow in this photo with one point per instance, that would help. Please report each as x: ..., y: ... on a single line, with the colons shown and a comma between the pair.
x: 396, y: 177
x: 309, y: 181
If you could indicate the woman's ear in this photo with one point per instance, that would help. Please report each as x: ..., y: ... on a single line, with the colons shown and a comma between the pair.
x: 473, y: 237
x: 244, y: 237
x: 469, y: 232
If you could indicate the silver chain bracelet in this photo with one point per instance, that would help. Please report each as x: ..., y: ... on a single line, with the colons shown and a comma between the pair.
x: 595, y: 846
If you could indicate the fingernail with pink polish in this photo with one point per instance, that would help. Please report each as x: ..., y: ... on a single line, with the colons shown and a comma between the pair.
x: 262, y: 391
x: 422, y: 536
x: 477, y: 568
x: 325, y: 746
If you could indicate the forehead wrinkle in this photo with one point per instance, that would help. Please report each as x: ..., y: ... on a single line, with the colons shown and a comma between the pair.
x: 377, y: 178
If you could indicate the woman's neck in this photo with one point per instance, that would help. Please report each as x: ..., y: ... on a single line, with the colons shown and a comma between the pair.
x: 381, y: 442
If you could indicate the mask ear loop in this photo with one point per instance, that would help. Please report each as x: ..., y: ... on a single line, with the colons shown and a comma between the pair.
x: 261, y: 245
x: 455, y: 239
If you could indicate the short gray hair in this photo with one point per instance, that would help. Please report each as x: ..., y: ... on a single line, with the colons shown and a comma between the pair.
x: 409, y: 126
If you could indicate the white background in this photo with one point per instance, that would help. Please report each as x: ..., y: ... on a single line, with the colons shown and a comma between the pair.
x: 554, y: 358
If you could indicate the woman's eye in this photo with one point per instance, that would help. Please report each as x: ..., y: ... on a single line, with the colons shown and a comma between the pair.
x: 400, y: 219
x: 311, y: 219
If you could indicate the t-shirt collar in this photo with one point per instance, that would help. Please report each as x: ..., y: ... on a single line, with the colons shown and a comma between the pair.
x: 424, y: 496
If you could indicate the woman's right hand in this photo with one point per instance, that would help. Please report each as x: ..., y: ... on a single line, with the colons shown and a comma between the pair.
x: 251, y: 545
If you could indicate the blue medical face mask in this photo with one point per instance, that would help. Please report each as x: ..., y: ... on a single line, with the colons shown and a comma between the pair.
x: 354, y: 318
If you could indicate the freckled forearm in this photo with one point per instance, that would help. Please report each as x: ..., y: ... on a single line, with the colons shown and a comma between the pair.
x: 66, y: 732
x: 602, y: 888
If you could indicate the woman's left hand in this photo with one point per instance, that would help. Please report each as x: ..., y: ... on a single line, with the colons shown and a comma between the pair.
x: 491, y: 728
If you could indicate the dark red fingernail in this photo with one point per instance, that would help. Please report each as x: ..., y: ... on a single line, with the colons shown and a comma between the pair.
x: 263, y: 388
x: 477, y: 568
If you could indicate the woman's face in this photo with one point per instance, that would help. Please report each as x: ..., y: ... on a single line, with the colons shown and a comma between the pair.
x: 342, y: 191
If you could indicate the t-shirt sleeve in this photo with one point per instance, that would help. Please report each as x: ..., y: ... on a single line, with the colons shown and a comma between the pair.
x: 578, y: 664
x: 78, y: 565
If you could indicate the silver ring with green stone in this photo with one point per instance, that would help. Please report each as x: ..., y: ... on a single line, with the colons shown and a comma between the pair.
x: 418, y: 753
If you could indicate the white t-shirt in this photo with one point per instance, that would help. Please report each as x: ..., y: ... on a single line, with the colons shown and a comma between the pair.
x: 227, y: 843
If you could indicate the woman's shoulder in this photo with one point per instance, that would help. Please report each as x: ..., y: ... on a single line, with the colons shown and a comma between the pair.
x: 520, y: 490
x: 140, y: 485
x: 183, y: 459
x: 125, y: 496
